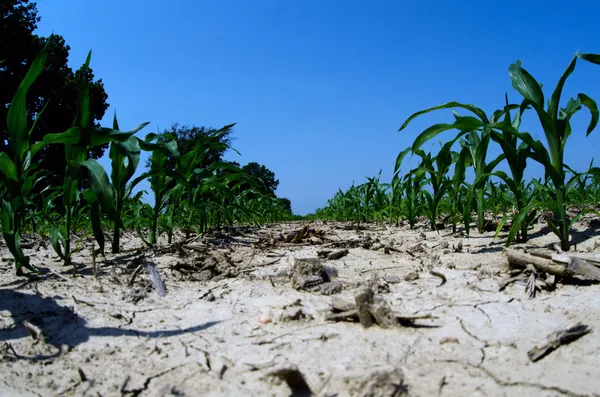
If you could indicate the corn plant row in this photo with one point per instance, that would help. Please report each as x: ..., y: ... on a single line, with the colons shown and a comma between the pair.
x: 431, y: 189
x: 187, y: 195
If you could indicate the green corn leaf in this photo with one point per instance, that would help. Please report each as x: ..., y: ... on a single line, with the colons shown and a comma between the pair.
x: 576, y: 218
x: 464, y: 125
x: 525, y: 84
x: 493, y: 164
x: 593, y: 107
x: 595, y: 172
x: 477, y: 111
x: 55, y: 236
x: 518, y: 221
x: 95, y: 217
x: 593, y: 58
x: 172, y: 147
x: 101, y: 186
x: 119, y: 151
x: 512, y: 185
x: 540, y: 153
x: 13, y: 242
x: 16, y: 121
x: 553, y: 105
x: 101, y: 135
x: 501, y: 225
x: 82, y: 117
x: 7, y: 167
x: 139, y: 179
x: 221, y: 165
x: 8, y: 217
x: 69, y: 137
x: 27, y: 163
x: 553, y: 227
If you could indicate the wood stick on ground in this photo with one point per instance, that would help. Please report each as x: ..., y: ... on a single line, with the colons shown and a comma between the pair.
x: 557, y: 339
x: 562, y: 257
x: 352, y: 315
x: 136, y: 272
x: 576, y: 266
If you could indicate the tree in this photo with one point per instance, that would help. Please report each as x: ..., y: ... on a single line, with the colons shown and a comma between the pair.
x: 56, y: 88
x: 286, y: 204
x: 266, y: 175
x: 187, y: 137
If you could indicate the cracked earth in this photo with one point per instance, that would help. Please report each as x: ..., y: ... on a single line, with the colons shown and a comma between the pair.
x: 234, y: 321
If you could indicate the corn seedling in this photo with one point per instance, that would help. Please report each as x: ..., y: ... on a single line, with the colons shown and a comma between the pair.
x: 18, y: 168
x: 556, y: 124
x: 78, y: 140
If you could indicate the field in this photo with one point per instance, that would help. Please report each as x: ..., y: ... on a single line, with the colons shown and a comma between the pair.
x: 460, y: 276
x: 236, y: 319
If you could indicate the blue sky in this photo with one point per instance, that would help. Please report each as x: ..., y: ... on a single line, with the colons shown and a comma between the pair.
x: 319, y: 88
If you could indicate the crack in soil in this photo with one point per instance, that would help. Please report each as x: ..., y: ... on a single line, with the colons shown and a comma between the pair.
x: 137, y: 392
x: 504, y: 383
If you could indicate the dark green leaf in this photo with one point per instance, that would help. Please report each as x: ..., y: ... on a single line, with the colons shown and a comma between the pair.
x: 16, y: 120
x: 477, y: 111
x: 464, y: 125
x: 54, y: 242
x: 525, y: 84
x: 554, y: 103
x: 7, y: 167
x: 593, y: 107
x: 593, y: 58
x: 101, y: 186
x: 82, y: 117
x: 518, y: 221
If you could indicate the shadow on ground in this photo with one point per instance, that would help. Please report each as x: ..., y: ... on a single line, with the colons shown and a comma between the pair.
x: 60, y: 325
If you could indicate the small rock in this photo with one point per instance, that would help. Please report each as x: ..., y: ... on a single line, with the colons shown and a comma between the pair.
x: 210, y: 297
x: 391, y: 278
x: 293, y: 314
x: 412, y: 276
x: 337, y: 254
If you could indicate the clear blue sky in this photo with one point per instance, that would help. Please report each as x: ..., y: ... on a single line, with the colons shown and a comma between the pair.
x: 319, y: 88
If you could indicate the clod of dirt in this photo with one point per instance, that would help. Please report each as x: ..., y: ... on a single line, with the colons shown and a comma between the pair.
x: 308, y: 274
x: 294, y: 314
x: 363, y: 300
x: 412, y: 276
x: 378, y: 284
x: 205, y: 267
x: 306, y: 234
x: 332, y: 255
x: 389, y: 383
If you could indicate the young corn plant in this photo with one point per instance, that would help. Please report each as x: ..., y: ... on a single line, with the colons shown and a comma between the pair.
x: 437, y: 168
x: 17, y: 167
x: 78, y: 140
x: 395, y: 198
x: 556, y: 124
x: 162, y: 181
x: 414, y: 186
x: 125, y: 157
x: 474, y: 136
x: 194, y: 173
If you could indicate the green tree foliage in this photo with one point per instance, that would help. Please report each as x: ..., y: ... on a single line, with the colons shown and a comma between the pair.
x: 266, y: 176
x: 286, y: 203
x: 56, y: 87
x: 188, y: 136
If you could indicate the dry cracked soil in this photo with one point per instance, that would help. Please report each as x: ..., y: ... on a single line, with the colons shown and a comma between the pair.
x: 273, y: 311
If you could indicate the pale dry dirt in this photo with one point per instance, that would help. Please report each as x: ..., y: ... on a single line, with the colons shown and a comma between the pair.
x: 232, y: 323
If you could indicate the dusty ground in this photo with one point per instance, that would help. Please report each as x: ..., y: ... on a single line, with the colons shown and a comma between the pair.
x: 232, y: 323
